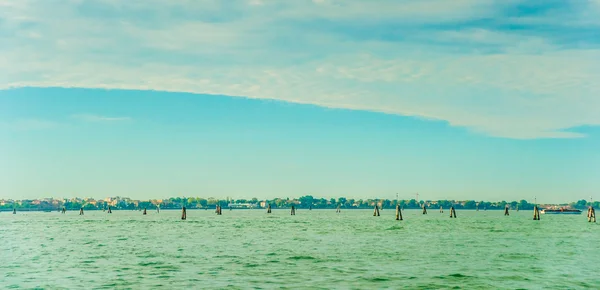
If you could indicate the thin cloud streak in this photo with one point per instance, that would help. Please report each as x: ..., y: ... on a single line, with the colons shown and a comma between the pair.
x: 98, y: 118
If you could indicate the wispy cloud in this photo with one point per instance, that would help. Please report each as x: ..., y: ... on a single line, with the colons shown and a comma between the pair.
x: 515, y: 68
x: 98, y: 118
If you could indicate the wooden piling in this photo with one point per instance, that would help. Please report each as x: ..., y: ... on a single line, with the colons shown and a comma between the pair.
x: 109, y: 210
x: 506, y: 210
x: 144, y: 211
x: 591, y: 214
x: 14, y: 211
x: 157, y: 209
x: 517, y: 207
x: 183, y: 213
x: 398, y: 213
x: 452, y: 212
x: 269, y: 209
x: 441, y: 209
x: 64, y: 210
x: 376, y: 212
x: 293, y: 211
x: 424, y: 209
x: 536, y: 213
x: 81, y: 211
x: 338, y: 210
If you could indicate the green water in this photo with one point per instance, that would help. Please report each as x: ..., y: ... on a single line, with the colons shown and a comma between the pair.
x: 314, y: 249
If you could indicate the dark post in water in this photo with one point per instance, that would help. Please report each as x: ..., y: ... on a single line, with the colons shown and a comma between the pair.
x: 424, y: 209
x: 183, y: 213
x: 398, y: 213
x: 14, y: 211
x: 536, y: 213
x: 591, y: 214
x: 269, y: 208
x: 441, y: 209
x: 109, y: 210
x: 64, y: 210
x: 452, y: 212
x: 338, y: 210
x: 81, y: 211
x: 506, y: 210
x: 293, y: 211
x: 144, y: 211
x: 376, y: 212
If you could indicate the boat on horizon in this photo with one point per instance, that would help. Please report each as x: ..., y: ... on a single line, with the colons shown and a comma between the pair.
x: 561, y: 211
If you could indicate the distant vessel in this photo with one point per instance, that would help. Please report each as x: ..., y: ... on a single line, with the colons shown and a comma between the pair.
x: 561, y: 211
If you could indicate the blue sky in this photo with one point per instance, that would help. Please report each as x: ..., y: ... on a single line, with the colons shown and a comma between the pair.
x: 453, y: 99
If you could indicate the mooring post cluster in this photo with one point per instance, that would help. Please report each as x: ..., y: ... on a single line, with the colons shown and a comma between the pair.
x: 81, y: 211
x: 398, y: 213
x: 441, y: 209
x: 109, y: 210
x: 269, y: 208
x: 506, y: 210
x: 376, y: 212
x: 536, y: 213
x: 591, y: 214
x: 293, y: 211
x: 452, y: 212
x: 183, y: 213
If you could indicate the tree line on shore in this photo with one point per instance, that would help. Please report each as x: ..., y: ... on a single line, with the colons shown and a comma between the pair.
x: 303, y: 202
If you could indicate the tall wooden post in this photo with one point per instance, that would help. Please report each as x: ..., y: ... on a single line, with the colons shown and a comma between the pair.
x: 64, y: 210
x: 376, y: 212
x: 441, y: 209
x: 506, y: 210
x: 81, y: 211
x: 144, y: 211
x: 591, y: 214
x: 109, y: 210
x: 398, y: 213
x: 536, y: 213
x: 183, y: 213
x: 269, y: 208
x: 424, y: 209
x: 293, y: 211
x: 338, y: 210
x: 452, y: 212
x: 14, y: 211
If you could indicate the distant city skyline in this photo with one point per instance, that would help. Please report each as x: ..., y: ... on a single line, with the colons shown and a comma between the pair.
x: 474, y: 99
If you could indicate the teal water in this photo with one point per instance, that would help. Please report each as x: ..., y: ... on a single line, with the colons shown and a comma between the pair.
x: 314, y: 249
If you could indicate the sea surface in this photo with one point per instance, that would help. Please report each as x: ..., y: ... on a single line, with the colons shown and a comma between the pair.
x: 315, y: 249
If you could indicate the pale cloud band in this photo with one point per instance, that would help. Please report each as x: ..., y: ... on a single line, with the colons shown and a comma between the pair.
x: 98, y: 118
x: 503, y: 68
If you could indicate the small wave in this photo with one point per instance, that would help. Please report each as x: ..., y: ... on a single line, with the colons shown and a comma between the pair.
x: 376, y: 279
x: 301, y: 258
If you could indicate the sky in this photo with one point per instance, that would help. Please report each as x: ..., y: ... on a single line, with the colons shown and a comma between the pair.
x: 464, y: 99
